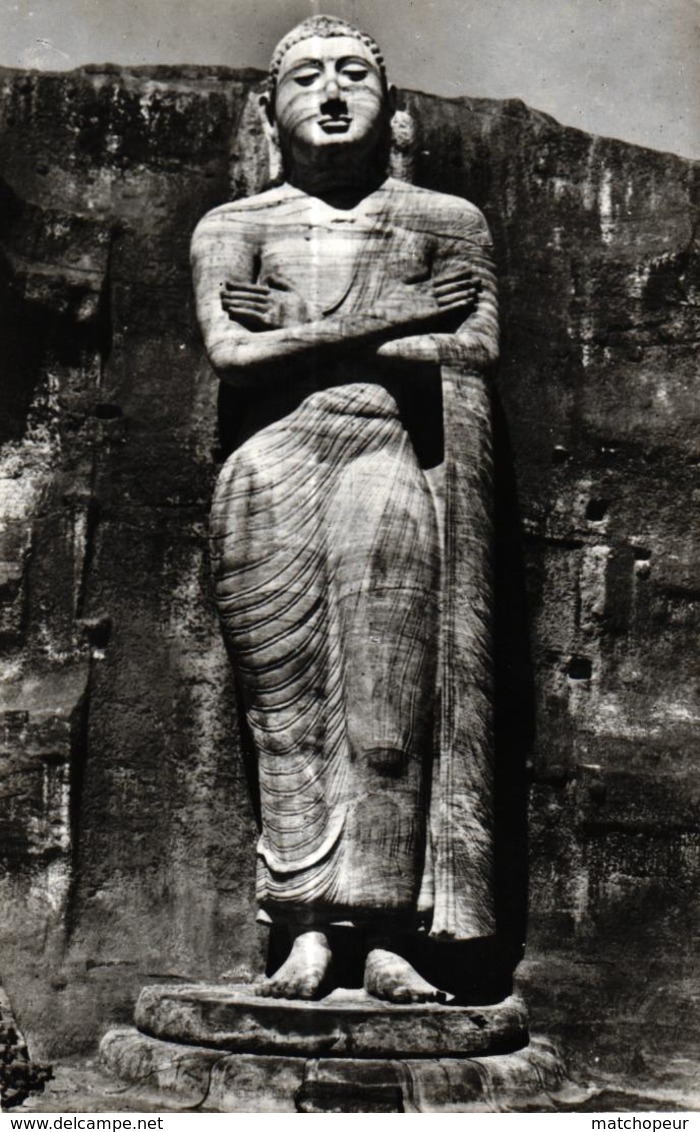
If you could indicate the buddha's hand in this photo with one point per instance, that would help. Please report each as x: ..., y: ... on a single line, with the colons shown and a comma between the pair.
x: 454, y: 297
x: 431, y: 303
x: 456, y: 292
x: 261, y: 307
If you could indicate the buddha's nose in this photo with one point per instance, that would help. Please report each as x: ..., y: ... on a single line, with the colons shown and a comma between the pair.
x: 332, y: 87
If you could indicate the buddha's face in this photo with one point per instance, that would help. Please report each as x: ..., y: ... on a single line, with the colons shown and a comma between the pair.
x: 330, y: 94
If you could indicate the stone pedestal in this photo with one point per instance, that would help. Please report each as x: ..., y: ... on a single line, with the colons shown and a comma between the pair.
x: 347, y: 1023
x: 224, y: 1050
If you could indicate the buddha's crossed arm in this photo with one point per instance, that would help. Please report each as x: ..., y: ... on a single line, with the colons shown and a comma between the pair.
x: 462, y: 248
x: 246, y: 325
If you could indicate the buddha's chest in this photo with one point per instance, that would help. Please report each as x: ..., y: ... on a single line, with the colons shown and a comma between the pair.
x: 342, y: 260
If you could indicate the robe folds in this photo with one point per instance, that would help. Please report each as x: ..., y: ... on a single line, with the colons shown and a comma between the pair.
x: 353, y: 585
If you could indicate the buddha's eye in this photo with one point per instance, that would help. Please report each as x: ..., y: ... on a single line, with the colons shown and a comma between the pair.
x: 355, y: 73
x: 305, y: 78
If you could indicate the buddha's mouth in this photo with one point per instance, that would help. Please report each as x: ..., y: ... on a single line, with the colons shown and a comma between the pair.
x: 339, y: 125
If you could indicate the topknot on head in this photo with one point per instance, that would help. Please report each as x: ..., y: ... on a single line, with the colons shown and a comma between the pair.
x: 323, y: 27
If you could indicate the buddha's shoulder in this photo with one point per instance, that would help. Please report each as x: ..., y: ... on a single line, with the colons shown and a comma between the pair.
x: 413, y: 200
x: 250, y: 210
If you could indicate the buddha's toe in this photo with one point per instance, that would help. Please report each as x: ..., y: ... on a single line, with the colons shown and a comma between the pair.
x: 304, y: 972
x: 393, y: 979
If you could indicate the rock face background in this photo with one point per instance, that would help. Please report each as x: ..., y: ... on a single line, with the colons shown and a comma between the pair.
x: 126, y: 828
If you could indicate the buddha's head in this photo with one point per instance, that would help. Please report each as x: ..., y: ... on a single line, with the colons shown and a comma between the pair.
x: 328, y: 96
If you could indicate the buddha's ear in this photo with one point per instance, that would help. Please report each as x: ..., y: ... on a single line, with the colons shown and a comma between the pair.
x: 266, y: 104
x: 404, y: 142
x: 392, y: 98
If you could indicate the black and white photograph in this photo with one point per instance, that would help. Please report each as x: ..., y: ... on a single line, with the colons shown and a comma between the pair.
x: 349, y: 566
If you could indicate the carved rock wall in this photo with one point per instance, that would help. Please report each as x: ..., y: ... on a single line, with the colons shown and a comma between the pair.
x: 18, y: 1075
x: 129, y: 827
x: 127, y: 832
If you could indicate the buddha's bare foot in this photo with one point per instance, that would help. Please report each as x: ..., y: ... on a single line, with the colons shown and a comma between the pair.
x: 303, y: 973
x: 393, y: 979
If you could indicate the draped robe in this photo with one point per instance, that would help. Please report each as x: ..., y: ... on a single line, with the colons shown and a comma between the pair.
x: 330, y: 551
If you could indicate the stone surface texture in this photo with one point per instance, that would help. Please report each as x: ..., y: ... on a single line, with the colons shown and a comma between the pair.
x: 127, y: 830
x: 19, y: 1076
x: 220, y: 1082
x: 351, y: 532
x: 326, y: 548
x: 344, y: 1024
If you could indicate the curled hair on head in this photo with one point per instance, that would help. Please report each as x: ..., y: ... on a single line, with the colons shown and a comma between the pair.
x: 324, y: 27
